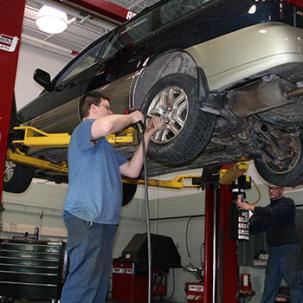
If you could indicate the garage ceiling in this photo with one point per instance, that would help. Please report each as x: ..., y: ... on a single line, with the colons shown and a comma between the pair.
x: 83, y: 28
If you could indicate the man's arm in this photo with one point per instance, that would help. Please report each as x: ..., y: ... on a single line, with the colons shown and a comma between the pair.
x: 278, y: 210
x: 132, y: 168
x: 105, y: 126
x: 257, y: 223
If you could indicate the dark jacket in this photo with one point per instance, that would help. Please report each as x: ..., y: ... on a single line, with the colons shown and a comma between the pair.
x: 278, y: 221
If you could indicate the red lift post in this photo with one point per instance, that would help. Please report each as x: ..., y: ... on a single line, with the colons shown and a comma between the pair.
x: 221, y: 274
x: 11, y: 18
x: 228, y: 255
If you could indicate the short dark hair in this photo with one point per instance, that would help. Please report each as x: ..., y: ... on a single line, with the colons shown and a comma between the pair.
x: 87, y: 100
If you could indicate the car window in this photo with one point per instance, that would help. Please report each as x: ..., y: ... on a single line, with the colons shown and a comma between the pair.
x: 152, y: 20
x: 129, y: 34
x: 84, y: 60
x: 177, y: 8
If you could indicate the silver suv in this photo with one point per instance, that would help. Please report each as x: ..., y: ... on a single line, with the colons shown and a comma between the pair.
x: 225, y: 75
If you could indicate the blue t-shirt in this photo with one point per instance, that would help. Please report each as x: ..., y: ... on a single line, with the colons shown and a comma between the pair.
x: 95, y: 188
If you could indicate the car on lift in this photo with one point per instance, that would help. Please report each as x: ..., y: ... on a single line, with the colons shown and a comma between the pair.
x: 226, y: 76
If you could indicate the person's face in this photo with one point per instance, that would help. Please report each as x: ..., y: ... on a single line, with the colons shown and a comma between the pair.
x: 275, y: 192
x: 102, y: 110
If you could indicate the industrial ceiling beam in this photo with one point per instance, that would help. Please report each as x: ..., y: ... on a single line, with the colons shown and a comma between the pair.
x: 100, y: 8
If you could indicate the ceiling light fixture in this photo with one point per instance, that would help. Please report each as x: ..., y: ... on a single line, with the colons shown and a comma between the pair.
x: 51, y: 20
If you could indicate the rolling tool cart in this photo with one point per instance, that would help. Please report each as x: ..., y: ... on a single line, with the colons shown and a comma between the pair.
x: 31, y: 269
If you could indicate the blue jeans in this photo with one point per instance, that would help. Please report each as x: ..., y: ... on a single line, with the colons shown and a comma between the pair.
x: 89, y: 249
x: 284, y: 263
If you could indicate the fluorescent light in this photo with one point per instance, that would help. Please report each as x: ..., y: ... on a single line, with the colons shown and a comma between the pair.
x: 51, y: 20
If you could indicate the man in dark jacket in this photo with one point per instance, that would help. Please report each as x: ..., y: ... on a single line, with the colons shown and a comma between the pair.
x: 278, y: 221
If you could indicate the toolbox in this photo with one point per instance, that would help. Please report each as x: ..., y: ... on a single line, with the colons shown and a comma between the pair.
x: 31, y: 269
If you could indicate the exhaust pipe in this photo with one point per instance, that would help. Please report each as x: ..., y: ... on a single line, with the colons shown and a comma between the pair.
x: 298, y: 92
x: 260, y: 96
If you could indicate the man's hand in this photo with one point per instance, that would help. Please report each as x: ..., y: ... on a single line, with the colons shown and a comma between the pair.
x: 154, y: 124
x: 244, y: 205
x: 137, y: 116
x: 133, y: 167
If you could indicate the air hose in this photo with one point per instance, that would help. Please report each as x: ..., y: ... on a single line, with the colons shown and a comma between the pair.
x: 141, y: 129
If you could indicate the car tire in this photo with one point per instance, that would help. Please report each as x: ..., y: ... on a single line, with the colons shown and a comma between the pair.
x: 188, y: 129
x: 289, y: 173
x: 17, y: 177
x: 129, y: 191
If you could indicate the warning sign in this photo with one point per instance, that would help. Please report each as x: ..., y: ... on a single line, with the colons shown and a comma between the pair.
x: 8, y: 43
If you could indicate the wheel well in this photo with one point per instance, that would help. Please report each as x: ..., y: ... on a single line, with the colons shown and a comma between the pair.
x: 177, y: 61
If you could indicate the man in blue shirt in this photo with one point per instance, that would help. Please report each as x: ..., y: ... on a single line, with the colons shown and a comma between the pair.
x: 94, y: 196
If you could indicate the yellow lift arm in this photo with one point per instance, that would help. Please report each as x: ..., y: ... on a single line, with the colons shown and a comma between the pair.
x: 226, y: 176
x: 19, y: 157
x: 178, y: 182
x: 35, y: 138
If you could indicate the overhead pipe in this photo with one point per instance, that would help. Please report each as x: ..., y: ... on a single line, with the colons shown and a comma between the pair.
x: 102, y: 9
x: 50, y: 47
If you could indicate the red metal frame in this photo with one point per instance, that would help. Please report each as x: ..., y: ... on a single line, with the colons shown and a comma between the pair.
x: 230, y: 281
x: 225, y: 256
x: 208, y: 242
x: 11, y: 18
x: 109, y: 10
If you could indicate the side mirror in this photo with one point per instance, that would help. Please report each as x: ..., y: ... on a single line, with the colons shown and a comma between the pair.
x: 43, y: 78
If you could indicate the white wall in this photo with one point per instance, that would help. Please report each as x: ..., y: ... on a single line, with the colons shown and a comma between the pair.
x: 30, y: 58
x: 42, y: 204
